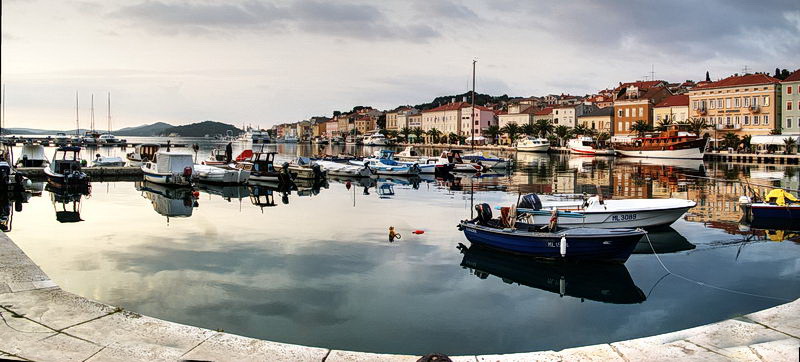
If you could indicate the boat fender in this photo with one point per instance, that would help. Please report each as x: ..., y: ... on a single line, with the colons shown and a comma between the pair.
x: 562, y: 286
x: 196, y: 194
x: 563, y: 246
x: 418, y: 232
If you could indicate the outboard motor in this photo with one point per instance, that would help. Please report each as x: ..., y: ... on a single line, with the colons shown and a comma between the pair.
x: 317, y: 171
x: 530, y: 201
x: 484, y: 212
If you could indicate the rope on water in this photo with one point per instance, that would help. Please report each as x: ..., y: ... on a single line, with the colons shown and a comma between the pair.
x: 703, y: 284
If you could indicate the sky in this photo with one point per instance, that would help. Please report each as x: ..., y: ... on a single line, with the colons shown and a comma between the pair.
x: 263, y: 62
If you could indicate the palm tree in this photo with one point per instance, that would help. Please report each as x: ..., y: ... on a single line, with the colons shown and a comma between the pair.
x: 697, y: 125
x: 746, y: 142
x: 512, y: 130
x: 391, y: 135
x: 562, y: 132
x: 405, y: 131
x: 789, y: 142
x: 731, y: 140
x: 492, y: 132
x: 581, y: 130
x: 664, y: 124
x: 418, y: 132
x: 435, y: 135
x: 452, y: 138
x: 543, y: 127
x: 528, y: 129
x: 603, y: 137
x: 640, y: 127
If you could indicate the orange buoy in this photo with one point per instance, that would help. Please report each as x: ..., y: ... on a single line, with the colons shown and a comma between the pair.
x: 196, y: 193
x: 418, y: 232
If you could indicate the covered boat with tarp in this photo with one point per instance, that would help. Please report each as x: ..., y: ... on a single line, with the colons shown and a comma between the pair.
x: 777, y: 205
x: 32, y: 155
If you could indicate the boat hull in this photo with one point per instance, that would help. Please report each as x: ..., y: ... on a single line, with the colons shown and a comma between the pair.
x: 689, y: 153
x: 614, y: 219
x: 584, y: 150
x: 775, y: 212
x: 166, y: 179
x: 533, y: 148
x: 614, y: 245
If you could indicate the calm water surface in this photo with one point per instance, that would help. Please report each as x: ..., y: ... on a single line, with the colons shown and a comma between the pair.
x: 317, y: 267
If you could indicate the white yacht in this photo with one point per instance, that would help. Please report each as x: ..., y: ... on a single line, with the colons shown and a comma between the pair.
x: 108, y: 139
x: 533, y: 144
x: 260, y: 136
x: 375, y: 139
x: 587, y: 146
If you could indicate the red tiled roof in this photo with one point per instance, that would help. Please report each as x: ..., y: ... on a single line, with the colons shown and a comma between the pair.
x: 450, y: 107
x: 674, y: 101
x: 794, y: 77
x: 642, y: 84
x: 739, y: 80
x: 544, y: 111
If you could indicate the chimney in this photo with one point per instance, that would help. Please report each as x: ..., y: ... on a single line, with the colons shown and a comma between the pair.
x: 453, y: 100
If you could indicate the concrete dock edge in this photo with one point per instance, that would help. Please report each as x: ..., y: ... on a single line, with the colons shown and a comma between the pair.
x: 42, y: 322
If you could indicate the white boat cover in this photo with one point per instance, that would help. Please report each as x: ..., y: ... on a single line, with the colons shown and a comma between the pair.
x: 34, y: 152
x: 173, y: 162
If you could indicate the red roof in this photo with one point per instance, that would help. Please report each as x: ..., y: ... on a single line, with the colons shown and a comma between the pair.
x: 794, y: 77
x: 642, y: 84
x: 674, y: 101
x: 450, y: 107
x: 544, y: 111
x: 740, y: 80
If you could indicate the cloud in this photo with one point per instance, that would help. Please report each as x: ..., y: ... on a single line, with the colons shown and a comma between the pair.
x: 349, y: 20
x: 446, y: 9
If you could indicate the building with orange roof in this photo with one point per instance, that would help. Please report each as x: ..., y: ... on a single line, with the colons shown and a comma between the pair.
x: 790, y: 112
x: 634, y: 101
x: 746, y: 104
x: 446, y: 119
x: 674, y: 108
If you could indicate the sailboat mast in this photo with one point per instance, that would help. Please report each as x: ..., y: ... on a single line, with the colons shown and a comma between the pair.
x: 472, y: 117
x: 3, y: 114
x: 77, y: 117
x: 92, y: 114
x: 109, y: 112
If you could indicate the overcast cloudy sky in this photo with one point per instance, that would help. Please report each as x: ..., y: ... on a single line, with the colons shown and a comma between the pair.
x: 270, y: 61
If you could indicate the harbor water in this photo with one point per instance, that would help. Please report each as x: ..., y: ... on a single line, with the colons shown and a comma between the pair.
x: 315, y: 266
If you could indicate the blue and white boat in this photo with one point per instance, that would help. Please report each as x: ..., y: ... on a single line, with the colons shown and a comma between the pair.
x: 778, y: 206
x: 427, y: 166
x: 385, y: 165
x: 490, y: 161
x: 607, y: 245
x: 169, y: 168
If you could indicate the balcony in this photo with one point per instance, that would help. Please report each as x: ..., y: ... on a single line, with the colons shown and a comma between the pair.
x: 754, y: 109
x: 702, y: 111
x: 728, y: 127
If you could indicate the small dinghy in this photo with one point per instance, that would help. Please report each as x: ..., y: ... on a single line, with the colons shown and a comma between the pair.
x: 386, y: 157
x: 508, y: 235
x: 453, y: 157
x: 262, y: 168
x: 389, y: 167
x: 218, y: 175
x: 305, y: 168
x: 105, y: 161
x: 345, y: 170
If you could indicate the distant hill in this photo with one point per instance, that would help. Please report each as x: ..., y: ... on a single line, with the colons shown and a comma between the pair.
x: 201, y: 129
x: 30, y: 131
x: 480, y: 100
x: 146, y: 130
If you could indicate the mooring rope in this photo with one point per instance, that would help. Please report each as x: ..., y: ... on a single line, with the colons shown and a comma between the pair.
x: 703, y: 284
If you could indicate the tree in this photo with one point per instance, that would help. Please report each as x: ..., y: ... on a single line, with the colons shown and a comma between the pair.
x: 492, y: 132
x: 355, y: 132
x: 383, y: 131
x: 543, y: 127
x: 562, y: 132
x: 790, y: 143
x: 775, y: 132
x: 512, y: 130
x: 708, y: 77
x: 528, y: 129
x: 641, y: 127
x: 731, y: 140
x: 777, y: 72
x: 405, y: 131
x: 452, y: 138
x: 435, y: 135
x: 581, y: 130
x: 381, y: 121
x: 462, y: 140
x: 391, y: 135
x: 664, y: 123
x: 603, y: 137
x: 746, y: 142
x: 696, y: 125
x: 418, y: 132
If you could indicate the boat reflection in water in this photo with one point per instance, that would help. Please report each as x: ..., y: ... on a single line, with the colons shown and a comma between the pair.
x: 665, y: 241
x: 11, y: 202
x: 310, y: 187
x: 227, y: 192
x: 607, y: 283
x: 263, y: 195
x: 771, y: 230
x: 67, y: 202
x: 169, y: 201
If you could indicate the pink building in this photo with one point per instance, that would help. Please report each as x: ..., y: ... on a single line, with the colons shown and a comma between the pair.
x: 484, y: 117
x: 331, y: 128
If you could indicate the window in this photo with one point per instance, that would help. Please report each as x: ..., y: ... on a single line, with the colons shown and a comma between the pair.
x: 627, y: 112
x: 641, y: 112
x: 747, y: 101
x: 737, y: 102
x: 755, y: 120
x: 766, y: 101
x: 789, y: 105
x: 694, y: 104
x: 728, y: 120
x: 789, y: 120
x: 620, y: 126
x: 736, y: 120
x: 746, y: 120
x: 766, y: 120
x: 789, y: 91
x: 727, y: 103
x: 719, y: 102
x: 619, y: 113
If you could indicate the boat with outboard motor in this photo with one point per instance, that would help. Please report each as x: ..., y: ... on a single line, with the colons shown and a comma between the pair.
x: 169, y: 201
x: 65, y: 168
x: 262, y: 168
x: 219, y: 175
x: 778, y: 205
x: 305, y: 168
x: 385, y: 165
x: 143, y: 153
x: 375, y: 139
x: 169, y: 168
x: 428, y: 166
x: 454, y: 158
x: 489, y: 161
x: 107, y: 161
x: 578, y: 211
x: 512, y: 236
x: 346, y: 169
x: 533, y: 144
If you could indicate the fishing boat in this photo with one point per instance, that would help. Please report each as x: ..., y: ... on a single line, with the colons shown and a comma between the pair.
x: 65, y: 168
x: 89, y: 139
x: 305, y: 168
x: 262, y: 168
x: 227, y: 192
x: 601, y: 282
x: 533, y: 144
x: 11, y: 180
x: 428, y: 166
x: 490, y: 161
x: 384, y: 165
x: 676, y: 142
x: 778, y: 206
x: 169, y: 168
x: 32, y: 155
x: 319, y: 141
x: 454, y: 158
x: 353, y: 140
x: 346, y: 170
x: 587, y: 146
x: 217, y: 175
x: 107, y: 161
x: 607, y: 245
x: 143, y: 153
x: 375, y: 139
x: 596, y: 212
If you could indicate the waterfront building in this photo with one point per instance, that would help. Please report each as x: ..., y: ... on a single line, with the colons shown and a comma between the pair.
x: 599, y: 119
x: 345, y: 123
x: 517, y: 114
x: 404, y: 117
x: 544, y: 113
x: 601, y: 100
x: 365, y: 123
x: 446, y: 119
x: 674, y: 108
x: 391, y: 119
x: 567, y: 115
x: 741, y: 104
x: 482, y: 119
x: 790, y: 114
x: 634, y: 101
x: 331, y: 128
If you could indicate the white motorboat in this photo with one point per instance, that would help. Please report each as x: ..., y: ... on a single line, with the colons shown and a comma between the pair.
x: 61, y: 139
x: 108, y: 139
x: 106, y: 161
x: 408, y: 154
x: 428, y: 166
x: 490, y: 161
x: 304, y: 168
x: 217, y: 175
x: 169, y: 168
x: 345, y: 170
x: 289, y: 139
x: 375, y: 139
x: 458, y: 164
x: 353, y: 140
x: 384, y: 164
x: 143, y: 153
x: 599, y: 213
x: 65, y: 168
x: 337, y: 140
x: 319, y: 141
x: 168, y: 201
x: 260, y: 137
x: 533, y: 144
x: 587, y: 146
x: 32, y: 156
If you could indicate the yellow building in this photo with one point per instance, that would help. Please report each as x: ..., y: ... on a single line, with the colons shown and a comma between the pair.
x: 741, y: 104
x: 674, y: 108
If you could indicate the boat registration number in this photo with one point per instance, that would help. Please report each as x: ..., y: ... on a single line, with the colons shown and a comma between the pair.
x: 623, y: 217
